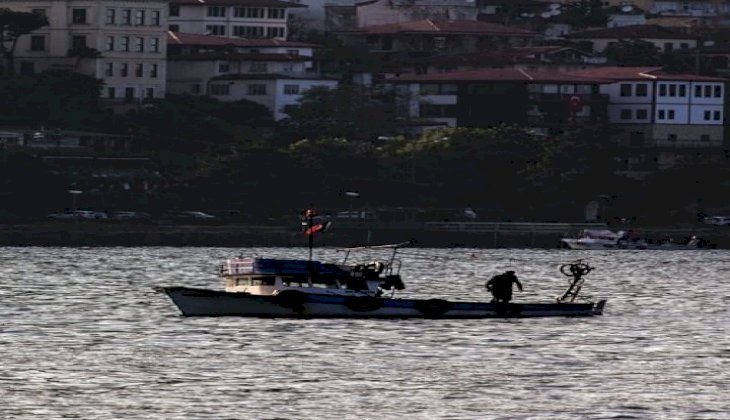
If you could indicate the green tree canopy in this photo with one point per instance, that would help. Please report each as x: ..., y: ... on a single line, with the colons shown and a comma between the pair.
x: 633, y: 52
x: 13, y: 25
x: 350, y: 112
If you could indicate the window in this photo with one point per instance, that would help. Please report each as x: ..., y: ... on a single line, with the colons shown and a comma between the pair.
x: 436, y: 111
x: 216, y: 11
x: 110, y: 93
x: 78, y: 42
x: 124, y: 70
x: 218, y: 89
x: 174, y: 10
x: 672, y: 90
x: 139, y: 17
x: 684, y: 45
x: 239, y: 31
x: 155, y: 44
x: 139, y: 70
x: 256, y: 90
x: 272, y: 32
x: 37, y: 43
x: 224, y: 68
x: 438, y: 89
x: 698, y: 91
x: 642, y: 114
x: 642, y: 89
x: 109, y: 43
x: 139, y: 44
x: 682, y: 91
x: 129, y: 94
x: 78, y: 16
x: 111, y: 16
x: 153, y: 71
x: 718, y: 91
x: 291, y: 89
x: 150, y: 92
x: 625, y: 114
x: 716, y: 115
x: 708, y: 115
x: 276, y: 14
x: 662, y: 90
x: 155, y: 18
x: 287, y: 67
x: 625, y: 89
x: 661, y: 114
x: 258, y: 67
x: 109, y: 69
x: 708, y: 91
x: 672, y: 137
x: 704, y: 137
x: 670, y: 114
x: 254, y: 12
x: 292, y: 52
x: 124, y: 43
x: 174, y: 28
x: 215, y: 29
x: 126, y: 17
x: 668, y: 46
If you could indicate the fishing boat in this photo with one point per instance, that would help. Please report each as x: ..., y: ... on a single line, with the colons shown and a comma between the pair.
x: 608, y: 239
x: 306, y: 288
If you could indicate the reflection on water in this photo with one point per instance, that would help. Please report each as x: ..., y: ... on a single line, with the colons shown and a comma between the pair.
x: 83, y: 335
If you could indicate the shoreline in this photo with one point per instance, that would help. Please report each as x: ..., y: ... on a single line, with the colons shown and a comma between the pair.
x: 90, y: 234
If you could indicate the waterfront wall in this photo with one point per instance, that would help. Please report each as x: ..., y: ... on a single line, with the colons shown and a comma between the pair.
x: 498, y: 235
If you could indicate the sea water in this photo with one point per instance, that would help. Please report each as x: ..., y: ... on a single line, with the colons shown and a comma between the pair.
x: 84, y: 335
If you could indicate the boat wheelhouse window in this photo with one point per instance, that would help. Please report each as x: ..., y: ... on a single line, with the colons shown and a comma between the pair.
x: 256, y: 281
x: 295, y: 281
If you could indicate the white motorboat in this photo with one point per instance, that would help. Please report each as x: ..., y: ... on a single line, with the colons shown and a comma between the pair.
x: 608, y: 239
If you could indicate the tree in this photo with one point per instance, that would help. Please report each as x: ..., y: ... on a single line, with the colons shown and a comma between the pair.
x: 633, y: 52
x: 13, y: 25
x: 351, y: 112
x: 585, y: 14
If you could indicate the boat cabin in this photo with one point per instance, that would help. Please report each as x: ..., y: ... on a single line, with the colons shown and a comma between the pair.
x: 269, y: 276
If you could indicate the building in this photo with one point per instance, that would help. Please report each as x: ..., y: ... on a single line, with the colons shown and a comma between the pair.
x: 492, y: 97
x: 266, y: 71
x: 659, y: 109
x: 232, y: 18
x: 435, y: 36
x: 665, y: 39
x: 122, y: 43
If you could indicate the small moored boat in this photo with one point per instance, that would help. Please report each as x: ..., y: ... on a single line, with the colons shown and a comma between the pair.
x: 608, y: 239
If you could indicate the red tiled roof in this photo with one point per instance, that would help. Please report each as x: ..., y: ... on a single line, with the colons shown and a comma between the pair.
x: 641, y: 73
x: 499, y: 75
x: 429, y: 26
x: 267, y: 76
x: 631, y: 32
x: 179, y: 38
x: 207, y: 56
x: 259, y: 3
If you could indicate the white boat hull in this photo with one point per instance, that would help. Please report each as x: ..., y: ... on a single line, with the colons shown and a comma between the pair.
x: 204, y: 302
x: 588, y: 244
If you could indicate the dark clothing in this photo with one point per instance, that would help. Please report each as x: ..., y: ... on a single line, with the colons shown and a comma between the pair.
x: 501, y: 286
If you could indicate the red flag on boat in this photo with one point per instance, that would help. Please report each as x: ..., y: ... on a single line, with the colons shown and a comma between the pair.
x: 319, y: 227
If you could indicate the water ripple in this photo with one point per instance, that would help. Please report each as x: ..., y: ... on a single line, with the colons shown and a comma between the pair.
x: 84, y: 336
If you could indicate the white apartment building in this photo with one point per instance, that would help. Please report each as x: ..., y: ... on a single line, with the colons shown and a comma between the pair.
x: 676, y: 110
x: 266, y: 71
x: 129, y: 36
x: 232, y: 18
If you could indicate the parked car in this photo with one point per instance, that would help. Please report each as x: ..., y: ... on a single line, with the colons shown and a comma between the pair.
x: 129, y: 215
x: 717, y: 220
x: 78, y: 214
x: 189, y: 215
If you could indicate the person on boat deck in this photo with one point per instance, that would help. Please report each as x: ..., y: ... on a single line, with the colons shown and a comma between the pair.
x: 501, y: 286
